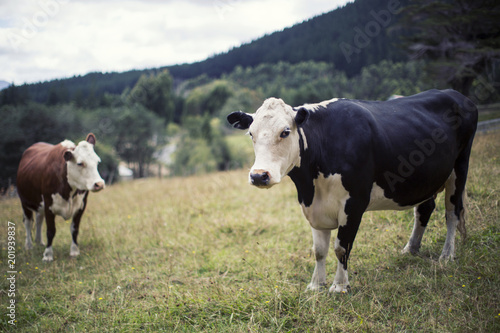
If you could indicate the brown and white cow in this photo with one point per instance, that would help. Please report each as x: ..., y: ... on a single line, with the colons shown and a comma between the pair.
x: 56, y: 180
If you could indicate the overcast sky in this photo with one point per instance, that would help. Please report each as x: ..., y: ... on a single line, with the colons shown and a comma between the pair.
x: 46, y: 39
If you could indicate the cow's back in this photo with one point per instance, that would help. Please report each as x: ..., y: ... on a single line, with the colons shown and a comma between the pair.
x: 414, y: 139
x: 445, y: 109
x: 40, y: 171
x: 419, y: 139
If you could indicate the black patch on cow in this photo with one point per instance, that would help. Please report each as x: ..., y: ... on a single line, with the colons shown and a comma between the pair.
x: 301, y: 116
x: 240, y: 120
x: 425, y: 210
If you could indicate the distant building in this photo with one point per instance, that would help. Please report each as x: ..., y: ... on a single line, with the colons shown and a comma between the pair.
x: 125, y: 173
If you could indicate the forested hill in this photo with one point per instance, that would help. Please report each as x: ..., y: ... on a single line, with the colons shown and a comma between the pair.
x: 336, y: 37
x: 351, y: 37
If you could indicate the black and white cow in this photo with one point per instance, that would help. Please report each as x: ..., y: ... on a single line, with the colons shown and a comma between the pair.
x: 351, y: 156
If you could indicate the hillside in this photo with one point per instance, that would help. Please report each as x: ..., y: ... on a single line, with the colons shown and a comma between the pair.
x: 325, y: 38
x: 333, y: 37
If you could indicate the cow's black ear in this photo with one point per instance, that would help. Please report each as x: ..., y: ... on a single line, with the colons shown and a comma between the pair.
x: 68, y: 155
x: 240, y: 120
x: 91, y: 138
x: 301, y: 116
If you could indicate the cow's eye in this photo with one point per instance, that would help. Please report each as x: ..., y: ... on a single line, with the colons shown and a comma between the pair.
x: 250, y: 133
x: 285, y: 133
x: 81, y: 164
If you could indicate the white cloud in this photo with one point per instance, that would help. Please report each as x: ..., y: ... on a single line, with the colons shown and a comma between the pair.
x: 46, y: 39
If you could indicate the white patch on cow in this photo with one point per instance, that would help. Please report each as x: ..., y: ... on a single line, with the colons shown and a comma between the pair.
x: 304, y: 139
x: 452, y: 220
x: 378, y: 201
x: 82, y: 168
x: 68, y: 144
x: 327, y: 210
x: 273, y: 154
x: 317, y: 106
x: 66, y: 208
x: 48, y: 254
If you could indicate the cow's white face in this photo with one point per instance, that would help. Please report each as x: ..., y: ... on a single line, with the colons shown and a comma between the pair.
x: 82, y: 164
x: 275, y: 139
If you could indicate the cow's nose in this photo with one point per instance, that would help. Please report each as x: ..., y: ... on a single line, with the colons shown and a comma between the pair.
x: 260, y: 178
x: 98, y: 186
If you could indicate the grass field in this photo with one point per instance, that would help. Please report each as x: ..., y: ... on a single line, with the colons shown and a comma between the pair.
x: 213, y: 254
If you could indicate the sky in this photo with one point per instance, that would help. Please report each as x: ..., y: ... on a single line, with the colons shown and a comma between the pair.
x: 42, y: 40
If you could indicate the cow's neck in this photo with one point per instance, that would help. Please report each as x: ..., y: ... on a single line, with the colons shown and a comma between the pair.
x: 304, y: 174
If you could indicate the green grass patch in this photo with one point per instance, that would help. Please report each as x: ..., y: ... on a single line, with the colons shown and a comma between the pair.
x: 213, y: 254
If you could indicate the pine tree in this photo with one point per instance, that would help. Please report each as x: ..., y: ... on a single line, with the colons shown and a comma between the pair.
x: 461, y: 38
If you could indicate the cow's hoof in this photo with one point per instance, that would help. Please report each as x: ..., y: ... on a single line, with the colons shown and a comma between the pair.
x: 48, y: 255
x: 409, y: 249
x: 316, y: 287
x: 339, y: 288
x: 47, y: 258
x: 446, y: 258
x: 74, y: 250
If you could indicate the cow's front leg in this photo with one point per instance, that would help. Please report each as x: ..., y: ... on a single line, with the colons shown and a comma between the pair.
x: 341, y: 281
x: 343, y: 247
x: 48, y: 254
x: 321, y: 243
x: 75, y: 226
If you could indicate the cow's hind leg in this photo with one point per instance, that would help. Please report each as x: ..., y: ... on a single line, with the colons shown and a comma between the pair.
x: 455, y: 203
x: 321, y: 243
x: 455, y: 211
x: 28, y: 219
x: 422, y: 215
x: 40, y: 215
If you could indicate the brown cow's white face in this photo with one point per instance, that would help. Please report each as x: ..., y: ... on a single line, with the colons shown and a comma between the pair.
x: 275, y: 141
x: 82, y: 164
